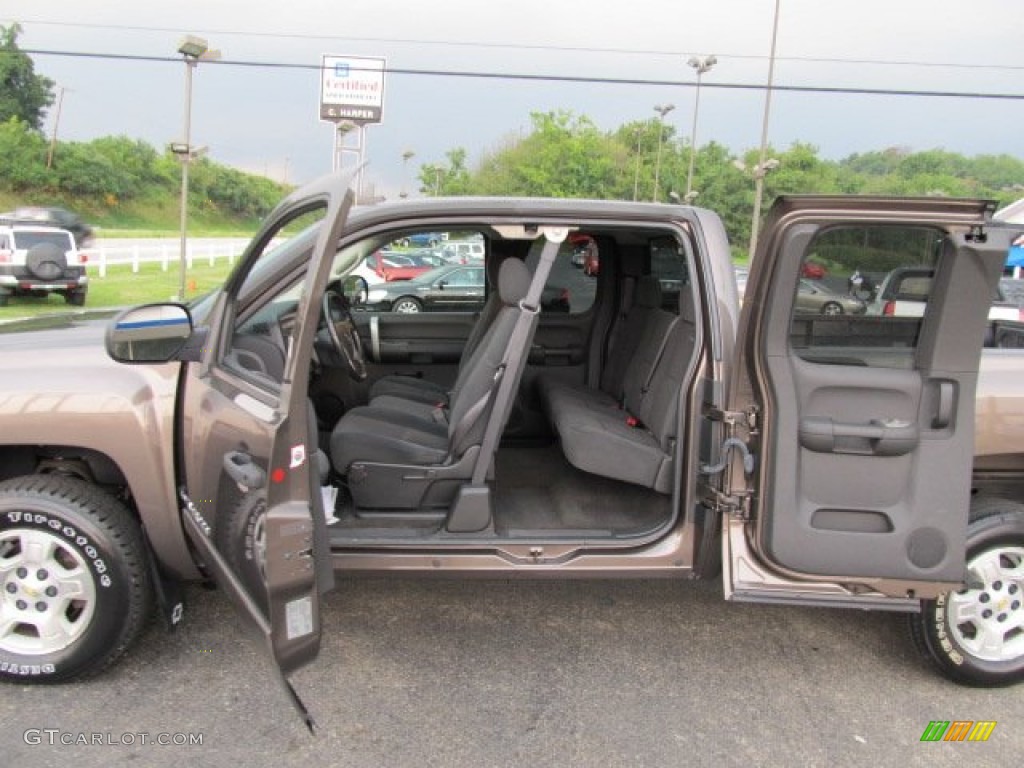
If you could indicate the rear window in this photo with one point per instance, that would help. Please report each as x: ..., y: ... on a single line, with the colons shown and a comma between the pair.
x: 23, y: 240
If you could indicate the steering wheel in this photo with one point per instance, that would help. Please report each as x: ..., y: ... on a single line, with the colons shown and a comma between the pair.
x: 341, y: 330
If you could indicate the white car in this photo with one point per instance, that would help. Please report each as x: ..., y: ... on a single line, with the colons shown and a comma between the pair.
x: 904, y: 293
x: 37, y: 260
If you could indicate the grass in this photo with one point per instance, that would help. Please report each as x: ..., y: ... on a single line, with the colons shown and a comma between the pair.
x: 121, y: 287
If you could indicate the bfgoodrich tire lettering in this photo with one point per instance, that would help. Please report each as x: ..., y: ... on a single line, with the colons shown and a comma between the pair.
x: 74, y: 587
x: 975, y: 636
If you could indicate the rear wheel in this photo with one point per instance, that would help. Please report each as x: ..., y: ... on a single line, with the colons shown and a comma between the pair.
x: 975, y: 635
x: 75, y: 298
x: 75, y: 589
x: 832, y: 308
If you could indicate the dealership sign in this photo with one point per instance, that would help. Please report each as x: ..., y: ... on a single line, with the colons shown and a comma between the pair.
x: 352, y: 88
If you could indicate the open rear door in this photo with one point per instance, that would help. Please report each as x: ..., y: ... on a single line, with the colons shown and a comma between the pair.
x: 248, y: 442
x: 860, y: 416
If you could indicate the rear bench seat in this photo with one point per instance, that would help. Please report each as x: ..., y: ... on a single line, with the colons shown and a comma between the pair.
x: 630, y: 435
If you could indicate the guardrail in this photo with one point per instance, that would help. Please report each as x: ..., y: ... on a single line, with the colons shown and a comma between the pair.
x: 166, y: 251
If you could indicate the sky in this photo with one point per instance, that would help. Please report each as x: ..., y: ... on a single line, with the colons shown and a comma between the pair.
x: 265, y: 119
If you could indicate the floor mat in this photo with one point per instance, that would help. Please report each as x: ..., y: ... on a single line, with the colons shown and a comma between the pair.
x: 537, y: 489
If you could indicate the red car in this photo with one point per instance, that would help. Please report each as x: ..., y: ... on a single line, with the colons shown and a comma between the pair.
x: 393, y: 266
x: 812, y: 271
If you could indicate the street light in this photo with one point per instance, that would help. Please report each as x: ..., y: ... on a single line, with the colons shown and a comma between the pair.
x: 636, y: 171
x: 755, y: 222
x: 193, y: 50
x: 662, y: 110
x: 406, y: 156
x: 759, y: 171
x: 700, y: 66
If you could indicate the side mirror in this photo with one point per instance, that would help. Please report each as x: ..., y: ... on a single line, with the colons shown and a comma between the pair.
x: 153, y: 333
x: 442, y: 284
x: 356, y: 289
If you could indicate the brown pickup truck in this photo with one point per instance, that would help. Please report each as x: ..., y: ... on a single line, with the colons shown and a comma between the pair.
x: 279, y: 430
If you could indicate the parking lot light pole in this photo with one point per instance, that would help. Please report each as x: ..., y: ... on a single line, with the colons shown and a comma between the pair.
x: 700, y: 66
x: 193, y: 49
x: 755, y: 222
x: 662, y: 110
x: 406, y: 156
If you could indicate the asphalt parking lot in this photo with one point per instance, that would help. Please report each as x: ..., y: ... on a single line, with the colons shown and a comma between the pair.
x: 496, y: 673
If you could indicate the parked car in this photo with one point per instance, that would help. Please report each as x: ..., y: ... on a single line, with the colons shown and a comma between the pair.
x: 422, y: 239
x: 812, y: 270
x: 51, y: 217
x: 817, y: 298
x: 905, y: 292
x: 463, y: 252
x: 390, y: 266
x: 37, y: 260
x: 443, y: 288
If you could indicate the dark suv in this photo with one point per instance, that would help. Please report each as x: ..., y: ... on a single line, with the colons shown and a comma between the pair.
x: 51, y: 217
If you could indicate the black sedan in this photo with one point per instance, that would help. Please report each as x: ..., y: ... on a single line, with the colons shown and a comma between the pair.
x: 453, y: 287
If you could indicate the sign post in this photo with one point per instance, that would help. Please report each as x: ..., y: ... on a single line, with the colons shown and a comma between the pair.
x: 351, y: 97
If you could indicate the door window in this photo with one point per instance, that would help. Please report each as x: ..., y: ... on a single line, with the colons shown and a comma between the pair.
x: 269, y: 294
x: 863, y: 293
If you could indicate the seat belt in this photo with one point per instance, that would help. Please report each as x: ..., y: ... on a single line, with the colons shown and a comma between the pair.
x: 512, y: 366
x: 628, y: 286
x: 657, y: 358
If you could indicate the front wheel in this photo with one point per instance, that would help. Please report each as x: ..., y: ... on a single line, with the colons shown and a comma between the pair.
x: 75, y: 589
x: 406, y: 305
x: 975, y: 635
x: 831, y: 309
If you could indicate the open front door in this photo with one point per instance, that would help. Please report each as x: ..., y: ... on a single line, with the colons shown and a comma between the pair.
x: 858, y: 402
x: 251, y: 502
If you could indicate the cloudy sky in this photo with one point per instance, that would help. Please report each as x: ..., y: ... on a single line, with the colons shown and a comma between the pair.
x: 258, y: 107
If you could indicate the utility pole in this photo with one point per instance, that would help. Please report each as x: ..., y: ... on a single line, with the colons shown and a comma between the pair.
x: 56, y: 126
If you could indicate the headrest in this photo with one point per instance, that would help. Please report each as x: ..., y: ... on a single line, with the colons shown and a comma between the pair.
x: 513, y: 281
x: 648, y: 292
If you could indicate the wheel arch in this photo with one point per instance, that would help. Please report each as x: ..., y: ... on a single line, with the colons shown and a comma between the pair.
x: 106, y: 470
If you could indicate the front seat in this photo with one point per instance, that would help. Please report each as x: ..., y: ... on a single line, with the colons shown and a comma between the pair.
x: 400, y: 460
x: 416, y: 390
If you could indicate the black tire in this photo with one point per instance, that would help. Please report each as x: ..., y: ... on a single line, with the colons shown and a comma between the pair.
x: 97, y: 551
x: 46, y: 261
x: 75, y: 298
x: 240, y: 538
x: 832, y: 308
x: 406, y: 305
x: 996, y: 526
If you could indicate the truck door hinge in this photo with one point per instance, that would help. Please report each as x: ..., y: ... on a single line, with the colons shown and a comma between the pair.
x: 746, y: 418
x: 736, y: 505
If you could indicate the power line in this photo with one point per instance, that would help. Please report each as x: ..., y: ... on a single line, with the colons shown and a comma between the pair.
x: 590, y: 80
x: 520, y: 46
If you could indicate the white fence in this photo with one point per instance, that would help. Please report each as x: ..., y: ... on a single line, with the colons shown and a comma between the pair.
x: 165, y: 251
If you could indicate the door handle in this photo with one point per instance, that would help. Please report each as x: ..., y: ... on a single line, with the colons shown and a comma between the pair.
x: 244, y: 471
x: 944, y: 405
x: 877, y: 437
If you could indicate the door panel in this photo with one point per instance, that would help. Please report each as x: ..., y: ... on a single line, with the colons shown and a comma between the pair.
x: 866, y: 421
x: 249, y: 433
x: 424, y: 345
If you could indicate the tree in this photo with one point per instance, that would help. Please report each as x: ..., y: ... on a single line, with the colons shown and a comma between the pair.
x: 23, y: 94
